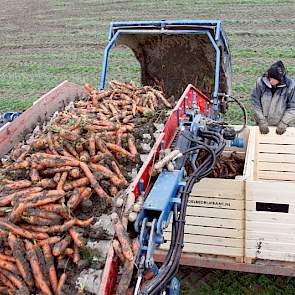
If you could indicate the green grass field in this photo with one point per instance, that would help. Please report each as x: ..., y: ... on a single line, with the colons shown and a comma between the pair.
x: 44, y: 42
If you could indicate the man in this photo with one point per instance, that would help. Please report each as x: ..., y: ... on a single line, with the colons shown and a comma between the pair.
x: 273, y: 99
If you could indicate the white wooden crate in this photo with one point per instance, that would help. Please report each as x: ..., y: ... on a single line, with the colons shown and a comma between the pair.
x: 270, y: 196
x: 216, y: 216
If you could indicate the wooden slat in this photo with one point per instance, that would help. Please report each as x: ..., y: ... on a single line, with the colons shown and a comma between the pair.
x: 270, y: 217
x: 276, y: 158
x: 278, y: 167
x: 225, y: 204
x: 217, y: 187
x: 270, y: 191
x: 212, y: 212
x: 207, y: 240
x: 276, y: 148
x: 270, y: 227
x: 214, y: 250
x: 262, y: 245
x: 214, y: 222
x: 43, y: 108
x: 277, y: 139
x: 271, y: 255
x: 211, y: 231
x: 285, y: 237
x: 270, y: 175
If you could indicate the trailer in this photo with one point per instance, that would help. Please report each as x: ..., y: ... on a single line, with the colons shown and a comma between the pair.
x: 242, y: 224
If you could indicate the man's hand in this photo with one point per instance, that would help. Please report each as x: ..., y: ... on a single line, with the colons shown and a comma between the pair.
x: 263, y: 127
x: 281, y: 128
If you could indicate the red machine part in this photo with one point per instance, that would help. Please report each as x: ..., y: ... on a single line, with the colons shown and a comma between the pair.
x: 165, y: 139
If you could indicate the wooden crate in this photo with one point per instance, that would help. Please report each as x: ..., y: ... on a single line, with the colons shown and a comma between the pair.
x: 270, y: 197
x: 216, y: 216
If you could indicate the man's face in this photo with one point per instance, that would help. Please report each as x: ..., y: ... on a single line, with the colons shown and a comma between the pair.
x: 273, y: 81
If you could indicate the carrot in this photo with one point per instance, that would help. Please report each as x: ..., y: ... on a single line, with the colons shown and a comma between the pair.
x: 69, y: 252
x: 61, y: 283
x: 50, y: 266
x: 34, y: 197
x: 5, y: 281
x: 52, y: 171
x: 7, y: 258
x: 75, y: 235
x: 76, y: 183
x: 25, y: 152
x: 17, y: 212
x: 117, y: 170
x: 91, y: 143
x: 20, y: 165
x: 79, y: 147
x: 66, y: 134
x: 75, y: 173
x: 58, y: 209
x: 8, y: 266
x: 34, y: 228
x: 18, y: 250
x: 21, y: 232
x: 119, y: 150
x: 48, y: 183
x: 9, y: 198
x: 88, y: 88
x: 161, y: 97
x: 74, y: 200
x: 16, y: 281
x: 98, y: 189
x: 39, y: 143
x: 76, y: 257
x: 71, y: 149
x: 59, y: 247
x: 105, y: 171
x: 49, y: 241
x: 97, y: 157
x: 122, y: 237
x: 61, y: 183
x: 84, y: 156
x: 50, y: 144
x: 40, y: 212
x: 35, y: 177
x: 37, y: 272
x: 113, y: 190
x: 35, y: 220
x: 86, y: 193
x: 61, y: 228
x: 118, y: 251
x: 85, y: 222
x: 132, y: 147
x: 18, y: 185
x: 56, y: 177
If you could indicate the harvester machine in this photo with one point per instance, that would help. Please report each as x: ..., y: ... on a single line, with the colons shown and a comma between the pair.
x: 190, y: 60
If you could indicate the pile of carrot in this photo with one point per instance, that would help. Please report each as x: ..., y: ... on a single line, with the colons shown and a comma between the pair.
x: 80, y: 154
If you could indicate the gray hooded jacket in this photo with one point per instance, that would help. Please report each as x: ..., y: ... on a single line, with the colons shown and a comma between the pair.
x: 276, y: 107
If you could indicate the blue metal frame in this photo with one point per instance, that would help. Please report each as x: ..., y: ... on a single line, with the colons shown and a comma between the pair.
x: 117, y: 28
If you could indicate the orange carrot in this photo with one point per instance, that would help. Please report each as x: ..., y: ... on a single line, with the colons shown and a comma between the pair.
x: 122, y: 237
x: 50, y: 144
x: 56, y: 177
x: 67, y: 134
x: 20, y: 165
x: 79, y: 147
x: 119, y: 150
x: 58, y: 209
x: 98, y: 189
x: 18, y: 185
x: 60, y: 247
x: 5, y: 281
x: 41, y: 212
x: 52, y: 171
x: 18, y: 250
x: 9, y: 198
x: 61, y: 183
x: 84, y: 156
x: 50, y: 265
x: 76, y: 237
x: 49, y: 241
x: 97, y: 157
x: 117, y: 170
x: 88, y: 88
x: 16, y: 280
x: 132, y: 147
x: 36, y: 220
x: 48, y: 183
x: 76, y: 183
x: 71, y: 149
x: 105, y: 171
x: 76, y: 257
x: 91, y: 143
x: 74, y: 200
x: 7, y: 258
x: 35, y: 177
x: 37, y: 272
x: 75, y: 173
x: 21, y: 232
x: 61, y: 283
